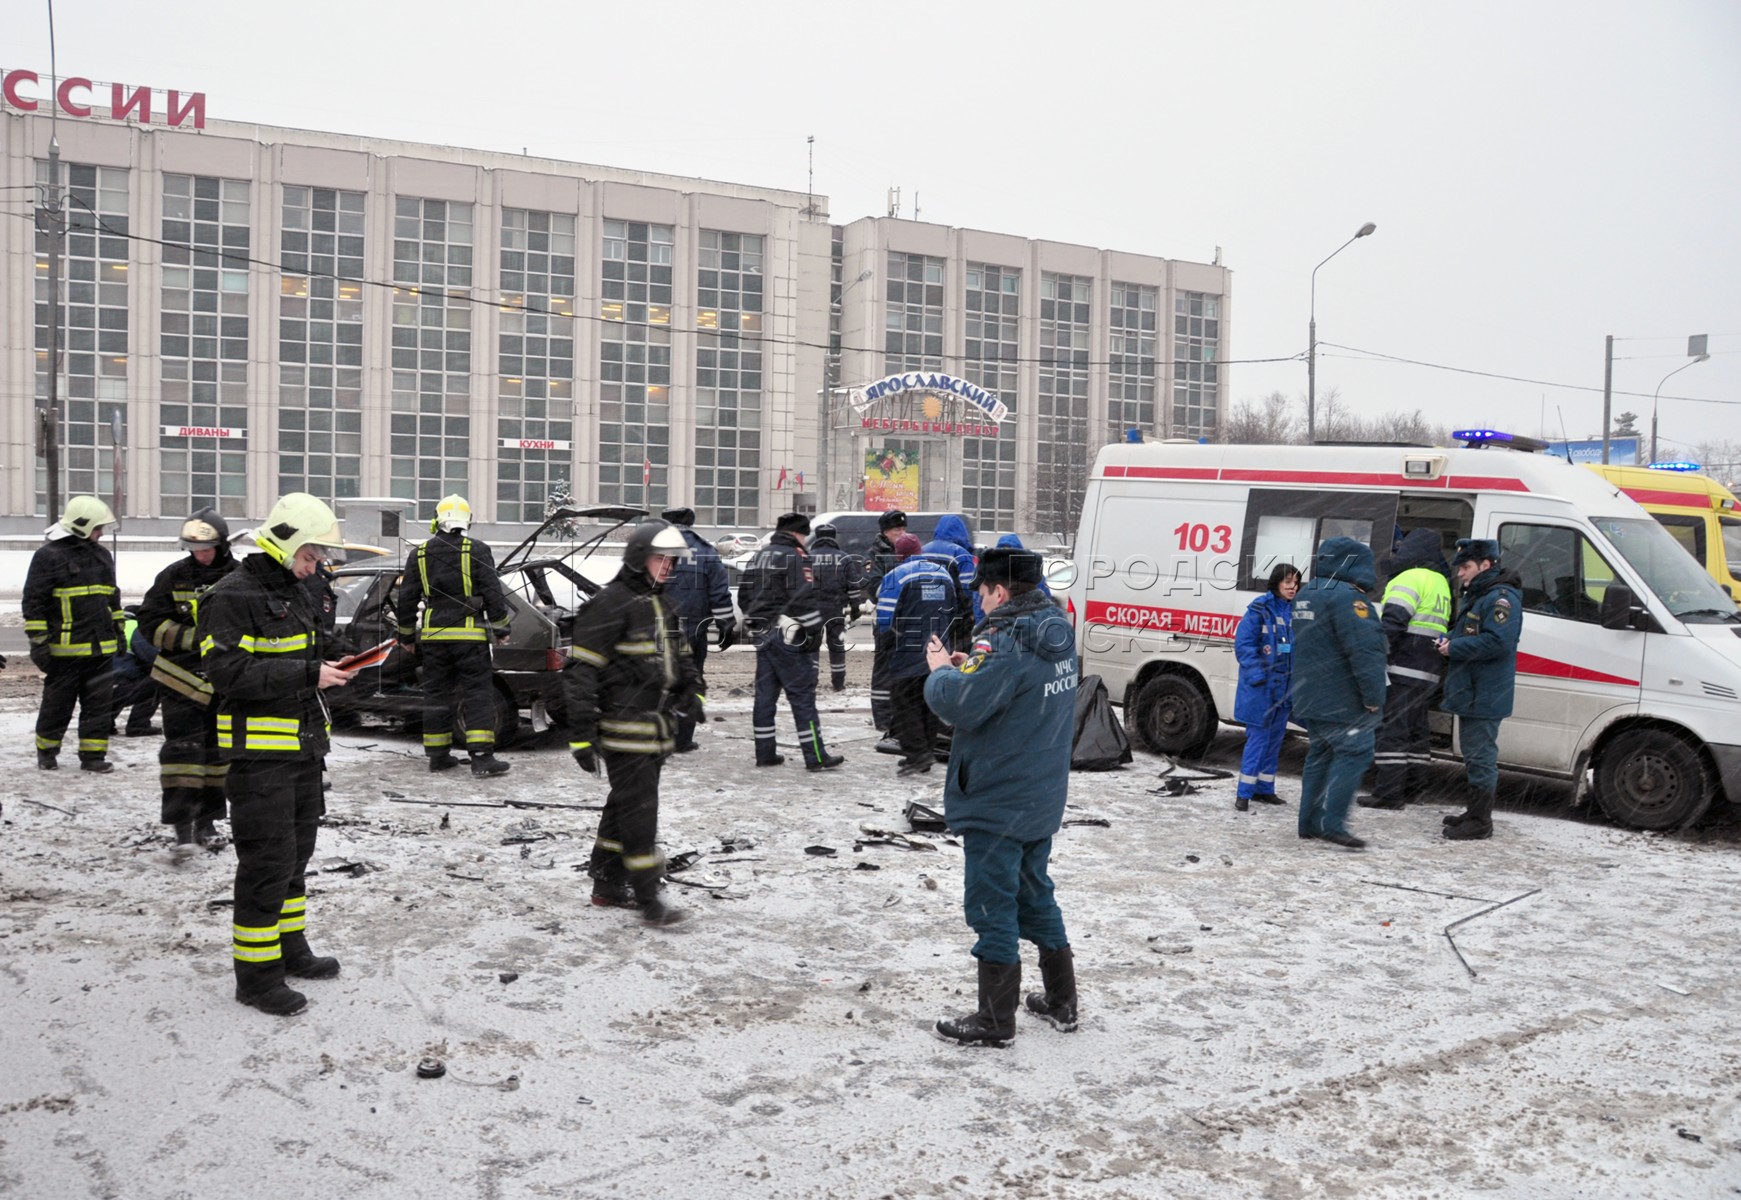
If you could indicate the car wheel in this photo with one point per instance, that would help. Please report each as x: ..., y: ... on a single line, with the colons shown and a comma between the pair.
x: 1172, y: 714
x: 1651, y: 779
x: 506, y: 720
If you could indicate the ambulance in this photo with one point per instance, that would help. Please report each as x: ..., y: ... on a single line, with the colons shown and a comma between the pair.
x: 1700, y: 512
x: 1629, y: 667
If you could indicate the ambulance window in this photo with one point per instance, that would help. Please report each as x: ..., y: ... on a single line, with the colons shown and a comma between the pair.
x: 1289, y: 524
x: 1689, y: 532
x: 1563, y: 574
x: 1283, y: 540
x: 1731, y: 527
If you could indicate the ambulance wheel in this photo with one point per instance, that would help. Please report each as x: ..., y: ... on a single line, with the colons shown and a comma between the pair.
x: 1651, y: 779
x: 1172, y: 714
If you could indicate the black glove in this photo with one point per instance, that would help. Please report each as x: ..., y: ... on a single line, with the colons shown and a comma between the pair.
x: 857, y: 610
x: 584, y: 756
x: 41, y: 656
x: 727, y: 635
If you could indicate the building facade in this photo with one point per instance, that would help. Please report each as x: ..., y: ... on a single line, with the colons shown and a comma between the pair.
x: 247, y: 311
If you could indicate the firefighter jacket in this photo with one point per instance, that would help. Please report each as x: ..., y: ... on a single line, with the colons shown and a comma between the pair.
x: 168, y: 616
x: 260, y: 646
x: 1417, y: 608
x: 454, y: 578
x: 1482, y: 674
x: 630, y: 673
x: 778, y: 594
x: 71, y: 604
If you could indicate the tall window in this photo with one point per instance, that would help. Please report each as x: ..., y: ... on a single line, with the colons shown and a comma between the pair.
x: 536, y: 361
x: 320, y: 344
x: 988, y: 465
x: 204, y: 343
x: 728, y: 378
x: 93, y: 325
x: 1061, y: 474
x: 1196, y: 373
x: 430, y: 443
x: 634, y: 409
x: 913, y: 316
x: 1131, y: 367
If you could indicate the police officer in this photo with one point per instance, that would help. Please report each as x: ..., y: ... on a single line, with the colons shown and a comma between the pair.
x: 701, y: 594
x: 629, y: 679
x: 261, y: 647
x: 73, y: 621
x: 917, y: 602
x: 881, y: 560
x: 836, y: 594
x: 1338, y: 687
x: 453, y: 577
x: 1481, y: 651
x: 1417, y: 611
x: 778, y: 599
x: 190, y: 769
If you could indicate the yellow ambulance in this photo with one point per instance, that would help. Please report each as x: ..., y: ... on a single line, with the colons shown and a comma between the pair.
x: 1701, y: 513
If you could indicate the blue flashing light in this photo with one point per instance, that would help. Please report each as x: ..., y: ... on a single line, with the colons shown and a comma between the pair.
x: 1480, y: 435
x: 1676, y: 466
x: 1133, y: 436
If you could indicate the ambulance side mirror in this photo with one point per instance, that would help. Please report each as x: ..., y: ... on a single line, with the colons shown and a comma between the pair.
x: 1621, y: 610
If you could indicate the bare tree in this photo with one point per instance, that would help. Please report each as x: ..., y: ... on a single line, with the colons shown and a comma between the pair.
x: 1269, y: 421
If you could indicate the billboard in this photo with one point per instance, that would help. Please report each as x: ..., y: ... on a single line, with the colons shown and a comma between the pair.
x: 1622, y: 451
x: 891, y: 478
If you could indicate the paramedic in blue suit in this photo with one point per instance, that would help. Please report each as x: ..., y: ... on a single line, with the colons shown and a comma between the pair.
x: 1264, y: 646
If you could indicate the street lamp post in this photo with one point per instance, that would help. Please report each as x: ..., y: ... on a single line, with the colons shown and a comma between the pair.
x: 830, y: 385
x: 1696, y: 348
x: 1312, y: 336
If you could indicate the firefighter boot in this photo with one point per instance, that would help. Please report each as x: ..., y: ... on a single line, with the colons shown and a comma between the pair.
x: 487, y: 764
x: 46, y: 760
x: 186, y: 842
x: 1057, y: 1004
x: 1000, y: 986
x: 1477, y: 823
x: 654, y: 911
x: 442, y: 762
x: 261, y: 986
x: 304, y: 963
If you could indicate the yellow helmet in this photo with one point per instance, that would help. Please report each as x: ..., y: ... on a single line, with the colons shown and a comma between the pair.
x: 85, y: 515
x: 297, y: 520
x: 452, y: 513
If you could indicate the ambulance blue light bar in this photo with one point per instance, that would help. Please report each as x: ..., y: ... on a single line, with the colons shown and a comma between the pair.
x: 1498, y: 438
x: 1676, y: 466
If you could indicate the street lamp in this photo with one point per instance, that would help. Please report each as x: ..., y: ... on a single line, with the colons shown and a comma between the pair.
x: 1696, y: 348
x: 1312, y: 336
x: 830, y: 385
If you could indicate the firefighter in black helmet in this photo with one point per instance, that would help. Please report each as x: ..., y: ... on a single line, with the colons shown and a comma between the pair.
x: 629, y: 681
x: 73, y: 620
x: 191, y: 769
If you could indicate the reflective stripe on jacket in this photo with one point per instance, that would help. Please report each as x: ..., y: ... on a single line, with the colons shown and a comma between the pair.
x: 629, y: 670
x: 454, y: 578
x: 260, y: 647
x: 71, y: 604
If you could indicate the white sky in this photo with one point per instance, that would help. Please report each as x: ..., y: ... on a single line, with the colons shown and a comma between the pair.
x: 1541, y: 174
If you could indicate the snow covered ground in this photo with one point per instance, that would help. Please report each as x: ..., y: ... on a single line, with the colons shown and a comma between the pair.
x: 1261, y: 1016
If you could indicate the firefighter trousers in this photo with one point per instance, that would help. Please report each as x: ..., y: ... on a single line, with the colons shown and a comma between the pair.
x: 190, y: 768
x: 623, y: 850
x: 88, y: 683
x: 275, y: 810
x: 458, y: 685
x: 686, y: 723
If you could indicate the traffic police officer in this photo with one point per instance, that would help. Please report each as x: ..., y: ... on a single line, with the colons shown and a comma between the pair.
x: 73, y: 621
x: 701, y: 594
x: 454, y: 578
x: 778, y: 599
x: 836, y: 590
x: 1481, y: 650
x: 1417, y: 611
x: 881, y: 560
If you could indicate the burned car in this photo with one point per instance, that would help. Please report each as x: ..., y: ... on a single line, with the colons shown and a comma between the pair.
x: 546, y: 579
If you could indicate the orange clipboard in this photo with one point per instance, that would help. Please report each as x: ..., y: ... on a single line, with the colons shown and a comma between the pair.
x: 372, y: 657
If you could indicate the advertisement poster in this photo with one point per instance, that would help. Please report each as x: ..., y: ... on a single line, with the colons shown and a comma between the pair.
x: 891, y: 479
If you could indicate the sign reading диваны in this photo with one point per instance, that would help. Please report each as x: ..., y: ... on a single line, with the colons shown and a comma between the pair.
x: 76, y: 96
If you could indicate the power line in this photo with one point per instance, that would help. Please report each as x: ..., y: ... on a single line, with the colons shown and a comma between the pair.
x: 1576, y: 387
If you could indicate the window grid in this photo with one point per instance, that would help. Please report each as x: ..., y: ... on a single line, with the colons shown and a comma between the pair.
x: 320, y: 343
x: 1196, y: 373
x: 535, y: 361
x: 728, y: 378
x: 1061, y: 462
x: 93, y: 325
x: 1130, y: 375
x: 204, y: 340
x: 988, y: 465
x: 634, y: 431
x: 429, y: 439
x: 913, y: 313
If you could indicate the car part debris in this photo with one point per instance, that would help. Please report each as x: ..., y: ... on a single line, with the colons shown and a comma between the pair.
x: 924, y: 817
x: 55, y: 807
x: 874, y: 836
x: 821, y: 851
x: 431, y: 1068
x: 1101, y: 822
x: 1403, y: 887
x: 1471, y: 917
x: 508, y: 976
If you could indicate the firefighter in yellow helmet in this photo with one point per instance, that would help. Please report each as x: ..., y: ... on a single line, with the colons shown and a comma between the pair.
x: 73, y: 620
x: 452, y: 577
x: 261, y: 647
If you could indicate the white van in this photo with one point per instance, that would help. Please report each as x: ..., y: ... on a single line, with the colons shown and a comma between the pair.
x: 1630, y: 660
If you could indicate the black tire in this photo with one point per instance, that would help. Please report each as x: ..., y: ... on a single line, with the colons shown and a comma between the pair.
x: 1651, y: 779
x: 1172, y: 714
x: 507, y: 720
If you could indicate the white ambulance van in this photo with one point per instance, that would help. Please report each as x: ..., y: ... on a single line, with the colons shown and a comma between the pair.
x: 1630, y: 659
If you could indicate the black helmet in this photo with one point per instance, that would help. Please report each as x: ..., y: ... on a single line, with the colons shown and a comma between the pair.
x: 650, y: 538
x: 891, y: 519
x: 825, y: 530
x: 679, y: 516
x: 205, y: 530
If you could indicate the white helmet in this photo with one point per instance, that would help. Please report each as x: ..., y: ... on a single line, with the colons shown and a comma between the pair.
x: 297, y: 520
x: 452, y: 513
x: 650, y: 538
x: 85, y: 515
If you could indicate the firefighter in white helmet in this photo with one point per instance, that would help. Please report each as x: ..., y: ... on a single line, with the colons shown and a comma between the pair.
x: 452, y: 577
x: 73, y: 620
x: 261, y: 646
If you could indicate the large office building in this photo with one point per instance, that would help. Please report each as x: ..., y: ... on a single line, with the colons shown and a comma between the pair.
x: 247, y: 311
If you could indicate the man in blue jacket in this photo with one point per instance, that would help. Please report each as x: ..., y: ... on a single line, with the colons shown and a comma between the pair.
x: 1338, y: 687
x: 1012, y: 701
x: 1481, y: 675
x: 951, y: 544
x: 701, y: 594
x: 917, y: 603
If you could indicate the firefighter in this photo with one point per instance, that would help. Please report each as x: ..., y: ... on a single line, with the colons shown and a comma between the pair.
x: 453, y: 577
x: 1417, y: 612
x: 189, y: 766
x: 701, y: 594
x: 260, y: 646
x: 778, y: 598
x: 73, y: 620
x: 629, y: 682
